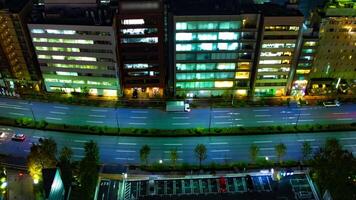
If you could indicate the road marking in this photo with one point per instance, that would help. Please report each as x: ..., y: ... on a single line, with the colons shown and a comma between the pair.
x: 171, y: 151
x: 234, y: 113
x: 59, y: 113
x: 97, y: 115
x: 344, y: 119
x: 180, y: 117
x: 222, y: 116
x: 262, y: 141
x: 125, y: 151
x: 265, y: 121
x: 61, y: 107
x: 26, y: 150
x: 306, y: 120
x: 124, y: 159
x: 137, y: 123
x: 180, y: 124
x: 227, y: 158
x: 218, y: 143
x: 99, y: 110
x: 126, y: 143
x: 19, y: 114
x: 78, y: 156
x: 220, y: 111
x: 139, y: 111
x: 37, y: 137
x: 222, y: 122
x: 348, y: 138
x: 269, y: 156
x: 96, y: 122
x: 350, y: 145
x: 135, y: 117
x: 166, y: 159
x: 300, y: 109
x: 12, y: 107
x: 306, y: 140
x: 81, y: 141
x: 267, y: 149
x: 23, y: 103
x: 261, y: 110
x: 263, y: 115
x: 54, y: 118
x: 173, y: 144
x: 78, y: 148
x: 304, y: 114
x: 344, y: 113
x: 217, y: 151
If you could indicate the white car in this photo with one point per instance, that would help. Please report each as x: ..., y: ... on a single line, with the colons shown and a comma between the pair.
x: 2, y: 134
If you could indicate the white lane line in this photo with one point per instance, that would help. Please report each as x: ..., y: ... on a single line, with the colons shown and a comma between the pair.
x: 227, y: 158
x: 269, y: 156
x: 125, y: 151
x: 222, y: 116
x: 78, y: 156
x: 37, y: 137
x: 173, y: 144
x: 306, y: 120
x: 233, y: 113
x: 350, y: 145
x: 139, y: 111
x: 135, y: 117
x: 222, y: 122
x: 306, y: 140
x: 81, y: 141
x: 180, y: 117
x: 262, y: 141
x: 218, y: 143
x: 58, y: 113
x: 18, y: 114
x: 78, y: 148
x: 23, y: 103
x: 263, y: 115
x: 171, y: 151
x: 137, y: 123
x: 344, y: 119
x: 127, y: 143
x: 12, y: 107
x: 265, y: 121
x: 97, y: 116
x: 300, y: 109
x: 261, y: 110
x: 61, y: 107
x: 218, y: 150
x: 342, y: 113
x: 54, y: 118
x: 95, y: 122
x: 124, y: 159
x: 179, y: 159
x: 220, y: 111
x: 99, y: 110
x: 180, y: 124
x: 304, y: 114
x: 348, y: 138
x: 267, y: 149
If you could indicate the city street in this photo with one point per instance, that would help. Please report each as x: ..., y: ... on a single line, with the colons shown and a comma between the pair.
x: 160, y: 119
x: 114, y: 149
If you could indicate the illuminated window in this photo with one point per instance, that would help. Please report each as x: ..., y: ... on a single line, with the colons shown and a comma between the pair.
x: 140, y: 40
x: 227, y: 36
x: 303, y: 71
x: 58, y: 57
x: 67, y: 73
x: 310, y: 44
x: 183, y: 47
x: 39, y: 31
x: 72, y: 66
x: 241, y: 92
x: 242, y: 75
x: 139, y: 31
x: 184, y: 36
x: 269, y: 62
x: 226, y: 66
x: 109, y: 93
x: 223, y: 84
x: 69, y: 41
x: 181, y: 26
x: 78, y: 82
x: 207, y: 36
x: 64, y: 32
x: 206, y: 46
x: 137, y: 66
x: 243, y: 65
x: 133, y: 21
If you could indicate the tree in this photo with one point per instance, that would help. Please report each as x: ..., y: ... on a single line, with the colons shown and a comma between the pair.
x: 173, y: 154
x: 334, y: 169
x: 306, y: 150
x: 88, y: 173
x: 144, y: 153
x: 65, y: 164
x: 200, y: 152
x: 280, y: 151
x: 254, y: 150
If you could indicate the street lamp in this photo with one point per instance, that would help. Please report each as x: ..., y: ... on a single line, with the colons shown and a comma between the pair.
x: 160, y: 161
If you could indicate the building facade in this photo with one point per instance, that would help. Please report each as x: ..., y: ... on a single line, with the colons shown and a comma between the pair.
x: 19, y: 70
x: 141, y: 48
x: 76, y: 48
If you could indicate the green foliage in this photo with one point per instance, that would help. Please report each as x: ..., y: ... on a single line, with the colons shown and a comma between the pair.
x: 173, y: 154
x: 201, y: 153
x: 254, y: 151
x: 280, y: 151
x: 306, y: 150
x: 334, y: 169
x: 64, y: 164
x: 144, y: 153
x: 88, y: 173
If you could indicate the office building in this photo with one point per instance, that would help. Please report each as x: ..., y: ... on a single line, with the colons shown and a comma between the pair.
x: 75, y: 45
x: 335, y: 61
x: 141, y: 48
x: 18, y: 67
x: 213, y: 49
x: 277, y: 53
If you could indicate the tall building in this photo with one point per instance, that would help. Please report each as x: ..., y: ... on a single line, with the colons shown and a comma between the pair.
x: 141, y: 42
x: 335, y: 61
x: 75, y: 43
x: 278, y: 51
x: 213, y: 49
x: 18, y: 66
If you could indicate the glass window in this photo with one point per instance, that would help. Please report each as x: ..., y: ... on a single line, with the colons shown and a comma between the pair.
x: 140, y: 40
x: 227, y: 36
x: 184, y: 36
x: 223, y: 84
x: 242, y: 75
x: 183, y: 47
x: 67, y: 73
x: 37, y: 31
x: 207, y: 36
x: 181, y: 26
x: 133, y: 21
x: 243, y: 66
x: 268, y: 62
x: 226, y: 66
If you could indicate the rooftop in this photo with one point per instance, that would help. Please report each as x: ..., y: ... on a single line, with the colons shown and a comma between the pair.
x: 14, y: 6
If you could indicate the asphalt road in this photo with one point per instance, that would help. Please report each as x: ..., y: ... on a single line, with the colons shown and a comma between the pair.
x: 114, y: 149
x: 159, y: 119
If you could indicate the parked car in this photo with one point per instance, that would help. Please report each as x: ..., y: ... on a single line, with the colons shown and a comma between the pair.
x: 18, y: 137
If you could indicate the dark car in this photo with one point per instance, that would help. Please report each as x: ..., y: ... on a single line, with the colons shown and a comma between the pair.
x: 18, y: 137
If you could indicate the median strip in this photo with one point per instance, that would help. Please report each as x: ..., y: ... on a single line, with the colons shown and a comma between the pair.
x: 262, y: 141
x: 54, y: 118
x: 180, y: 124
x: 126, y: 143
x: 137, y: 123
x: 96, y: 122
x: 125, y: 151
